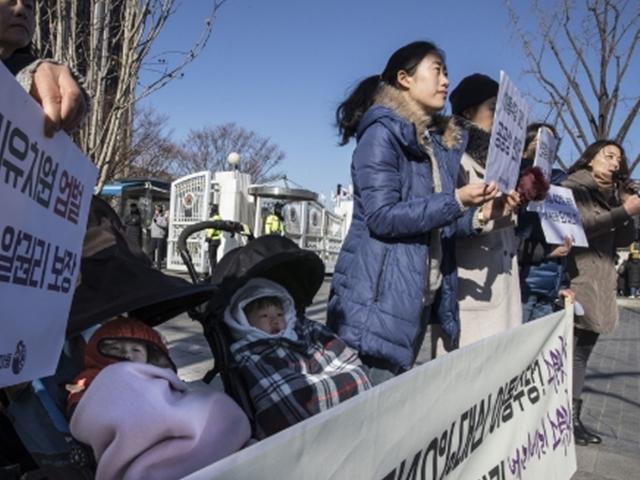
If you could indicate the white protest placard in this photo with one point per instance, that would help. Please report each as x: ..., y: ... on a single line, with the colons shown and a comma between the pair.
x: 498, y: 409
x: 45, y: 189
x: 507, y: 136
x: 546, y: 151
x: 559, y: 217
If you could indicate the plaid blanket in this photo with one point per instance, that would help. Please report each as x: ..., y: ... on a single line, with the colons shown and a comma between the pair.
x: 291, y: 380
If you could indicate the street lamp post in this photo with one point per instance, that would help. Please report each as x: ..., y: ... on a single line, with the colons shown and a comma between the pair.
x: 234, y: 160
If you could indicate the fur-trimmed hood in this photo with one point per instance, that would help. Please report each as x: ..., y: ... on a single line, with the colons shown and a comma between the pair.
x: 389, y: 100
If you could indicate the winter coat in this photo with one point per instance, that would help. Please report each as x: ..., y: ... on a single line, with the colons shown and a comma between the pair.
x: 488, y: 279
x: 18, y: 60
x: 633, y: 273
x: 133, y: 224
x: 488, y: 275
x: 379, y: 301
x: 539, y: 275
x: 292, y: 375
x: 159, y: 225
x: 592, y: 271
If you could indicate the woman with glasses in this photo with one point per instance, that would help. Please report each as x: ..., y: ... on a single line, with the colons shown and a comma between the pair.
x: 606, y: 205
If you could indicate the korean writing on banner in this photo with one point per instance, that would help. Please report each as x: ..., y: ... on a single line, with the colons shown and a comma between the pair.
x: 45, y: 187
x: 507, y: 136
x: 497, y: 409
x: 559, y: 217
x: 546, y: 151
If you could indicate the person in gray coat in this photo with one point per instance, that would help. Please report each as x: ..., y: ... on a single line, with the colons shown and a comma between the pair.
x: 606, y: 206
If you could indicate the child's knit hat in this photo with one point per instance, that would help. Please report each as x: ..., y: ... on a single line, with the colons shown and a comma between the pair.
x: 95, y: 360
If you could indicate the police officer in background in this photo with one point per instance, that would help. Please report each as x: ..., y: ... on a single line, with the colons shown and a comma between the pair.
x: 274, y: 223
x: 213, y: 237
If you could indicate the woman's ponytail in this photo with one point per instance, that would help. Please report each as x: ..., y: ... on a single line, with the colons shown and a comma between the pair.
x: 407, y: 58
x: 350, y: 111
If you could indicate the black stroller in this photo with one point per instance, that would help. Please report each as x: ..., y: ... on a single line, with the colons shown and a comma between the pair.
x: 272, y: 257
x: 116, y: 277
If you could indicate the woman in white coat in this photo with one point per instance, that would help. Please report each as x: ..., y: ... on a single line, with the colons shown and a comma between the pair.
x: 489, y: 287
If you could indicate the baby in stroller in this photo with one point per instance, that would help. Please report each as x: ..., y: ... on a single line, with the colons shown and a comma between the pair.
x: 139, y: 418
x: 293, y: 367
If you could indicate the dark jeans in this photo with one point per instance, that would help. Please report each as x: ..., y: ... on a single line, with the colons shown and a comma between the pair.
x: 534, y: 307
x: 583, y: 343
x: 158, y: 251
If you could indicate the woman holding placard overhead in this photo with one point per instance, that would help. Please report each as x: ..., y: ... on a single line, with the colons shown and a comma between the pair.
x: 396, y: 269
x: 489, y: 290
x: 606, y: 205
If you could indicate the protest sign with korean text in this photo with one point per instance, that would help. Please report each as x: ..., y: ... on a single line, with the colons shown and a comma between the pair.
x: 45, y: 189
x: 497, y: 409
x: 507, y: 136
x: 546, y: 149
x: 559, y: 217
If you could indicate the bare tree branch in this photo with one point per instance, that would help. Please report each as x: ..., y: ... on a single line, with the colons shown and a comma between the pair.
x: 577, y: 50
x: 570, y: 79
x: 152, y: 152
x: 208, y: 149
x: 597, y: 105
x: 109, y: 42
x: 624, y: 129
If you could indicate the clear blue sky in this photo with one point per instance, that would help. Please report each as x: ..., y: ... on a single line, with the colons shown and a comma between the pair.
x: 280, y: 67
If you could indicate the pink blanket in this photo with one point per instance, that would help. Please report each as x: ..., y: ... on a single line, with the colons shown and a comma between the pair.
x: 143, y: 422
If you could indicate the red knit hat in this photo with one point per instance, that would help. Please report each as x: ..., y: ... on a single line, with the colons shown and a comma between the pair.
x: 121, y: 328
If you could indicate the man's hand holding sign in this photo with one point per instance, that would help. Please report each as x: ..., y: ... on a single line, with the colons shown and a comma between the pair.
x: 47, y: 184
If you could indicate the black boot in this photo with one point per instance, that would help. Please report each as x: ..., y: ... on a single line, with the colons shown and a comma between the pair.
x: 582, y: 436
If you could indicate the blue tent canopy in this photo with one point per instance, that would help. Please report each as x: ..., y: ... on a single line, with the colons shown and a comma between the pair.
x: 116, y: 189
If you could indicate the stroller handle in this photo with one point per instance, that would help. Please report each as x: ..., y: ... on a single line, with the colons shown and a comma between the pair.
x: 224, y: 225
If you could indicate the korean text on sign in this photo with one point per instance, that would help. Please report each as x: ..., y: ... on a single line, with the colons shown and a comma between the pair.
x: 507, y: 136
x: 45, y: 187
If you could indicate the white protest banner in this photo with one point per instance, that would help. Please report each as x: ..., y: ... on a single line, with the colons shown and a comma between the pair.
x: 507, y: 136
x: 546, y: 151
x: 45, y: 189
x: 559, y: 217
x: 498, y: 409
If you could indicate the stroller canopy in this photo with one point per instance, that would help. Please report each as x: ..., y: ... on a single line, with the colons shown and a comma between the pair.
x: 116, y: 277
x: 273, y: 257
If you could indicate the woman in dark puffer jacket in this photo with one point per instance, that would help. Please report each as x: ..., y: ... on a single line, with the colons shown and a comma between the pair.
x: 396, y: 269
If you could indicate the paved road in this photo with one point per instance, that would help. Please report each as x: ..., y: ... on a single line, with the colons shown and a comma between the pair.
x: 612, y: 397
x: 612, y: 402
